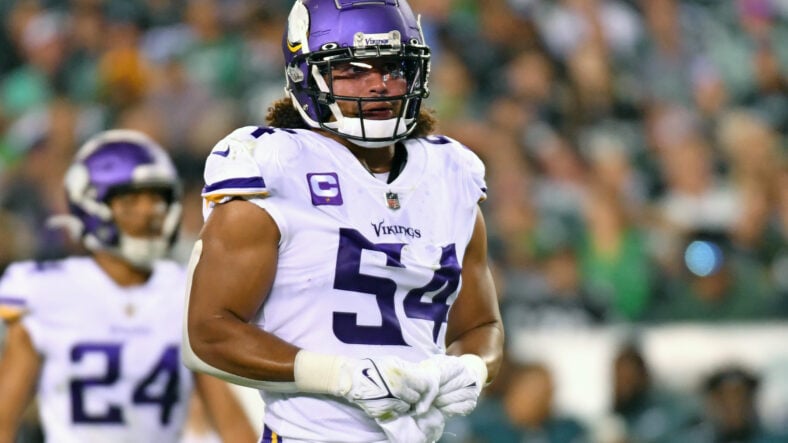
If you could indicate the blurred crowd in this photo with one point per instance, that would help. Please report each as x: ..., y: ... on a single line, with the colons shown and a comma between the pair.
x: 637, y: 154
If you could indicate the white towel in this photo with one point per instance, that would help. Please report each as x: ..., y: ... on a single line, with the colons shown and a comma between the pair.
x: 412, y: 428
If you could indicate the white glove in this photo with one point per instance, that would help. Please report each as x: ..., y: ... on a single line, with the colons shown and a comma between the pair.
x: 461, y: 382
x: 410, y: 428
x: 431, y: 424
x: 385, y: 387
x: 388, y: 387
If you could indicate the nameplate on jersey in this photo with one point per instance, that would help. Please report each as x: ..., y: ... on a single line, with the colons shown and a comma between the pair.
x: 324, y: 188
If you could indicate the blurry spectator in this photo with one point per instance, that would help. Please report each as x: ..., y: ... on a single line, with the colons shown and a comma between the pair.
x: 485, y: 36
x: 709, y: 92
x: 568, y: 24
x: 615, y: 264
x: 730, y: 415
x: 18, y: 241
x: 610, y: 153
x: 756, y: 233
x: 669, y: 50
x: 553, y: 299
x: 87, y: 33
x: 650, y: 414
x: 559, y: 185
x: 214, y: 60
x: 531, y: 81
x: 716, y: 284
x: 750, y: 146
x: 696, y: 196
x: 454, y: 87
x: 779, y: 267
x: 518, y: 408
x: 262, y: 50
x: 593, y: 98
x: 762, y: 59
x: 124, y: 72
x: 514, y: 219
x: 34, y: 189
x: 42, y: 46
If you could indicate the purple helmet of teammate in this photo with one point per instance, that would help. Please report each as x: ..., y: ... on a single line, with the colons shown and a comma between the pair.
x: 110, y: 163
x: 322, y: 33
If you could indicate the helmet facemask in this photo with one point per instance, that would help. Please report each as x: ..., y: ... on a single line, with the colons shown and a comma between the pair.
x: 310, y: 71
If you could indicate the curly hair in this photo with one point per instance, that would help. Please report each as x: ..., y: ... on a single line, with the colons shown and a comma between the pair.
x: 282, y: 114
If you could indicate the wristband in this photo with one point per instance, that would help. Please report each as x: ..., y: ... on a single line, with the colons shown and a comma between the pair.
x: 321, y: 373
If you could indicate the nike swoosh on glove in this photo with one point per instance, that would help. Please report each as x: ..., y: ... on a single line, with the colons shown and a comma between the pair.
x: 388, y: 387
x: 461, y: 382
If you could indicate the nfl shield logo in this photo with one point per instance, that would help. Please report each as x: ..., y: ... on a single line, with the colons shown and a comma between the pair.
x: 392, y: 200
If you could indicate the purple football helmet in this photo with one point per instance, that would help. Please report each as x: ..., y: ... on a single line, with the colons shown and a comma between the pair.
x: 322, y: 33
x: 109, y: 163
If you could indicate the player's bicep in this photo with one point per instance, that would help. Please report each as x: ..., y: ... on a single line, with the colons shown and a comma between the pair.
x: 477, y: 304
x: 19, y: 368
x: 237, y: 263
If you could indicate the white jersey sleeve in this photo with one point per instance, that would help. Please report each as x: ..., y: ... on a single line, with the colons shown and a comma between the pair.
x: 467, y: 161
x: 236, y: 165
x: 22, y: 290
x: 248, y: 164
x: 14, y: 291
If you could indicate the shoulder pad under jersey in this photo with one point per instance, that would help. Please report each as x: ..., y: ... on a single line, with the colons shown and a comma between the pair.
x: 466, y: 160
x: 234, y: 168
x: 17, y: 287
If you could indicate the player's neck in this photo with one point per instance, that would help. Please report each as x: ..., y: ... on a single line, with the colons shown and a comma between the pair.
x: 119, y: 270
x: 375, y: 160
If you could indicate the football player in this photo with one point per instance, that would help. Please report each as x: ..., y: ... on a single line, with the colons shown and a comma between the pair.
x: 342, y: 269
x: 97, y: 337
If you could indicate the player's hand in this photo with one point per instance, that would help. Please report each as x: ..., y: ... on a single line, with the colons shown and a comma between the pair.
x: 388, y: 387
x: 461, y: 383
x: 431, y: 424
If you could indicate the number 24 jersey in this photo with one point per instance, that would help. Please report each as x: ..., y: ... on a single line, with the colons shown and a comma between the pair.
x: 111, y: 369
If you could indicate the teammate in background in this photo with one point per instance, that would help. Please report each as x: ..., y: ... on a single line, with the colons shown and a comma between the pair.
x: 98, y: 337
x: 342, y: 269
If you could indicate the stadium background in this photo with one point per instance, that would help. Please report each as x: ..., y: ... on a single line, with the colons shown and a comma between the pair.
x: 637, y: 167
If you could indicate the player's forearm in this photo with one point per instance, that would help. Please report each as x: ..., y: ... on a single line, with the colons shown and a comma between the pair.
x: 19, y: 368
x: 486, y: 341
x: 12, y: 406
x: 242, y: 349
x: 7, y: 435
x: 12, y: 417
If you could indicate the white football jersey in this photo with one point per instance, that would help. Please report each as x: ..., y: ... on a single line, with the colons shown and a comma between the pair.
x: 112, y: 370
x: 365, y: 268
